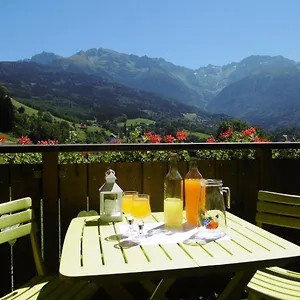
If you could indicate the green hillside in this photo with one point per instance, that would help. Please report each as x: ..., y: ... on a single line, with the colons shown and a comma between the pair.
x: 198, y: 134
x: 136, y: 121
x: 31, y: 111
x: 8, y: 137
x: 81, y: 133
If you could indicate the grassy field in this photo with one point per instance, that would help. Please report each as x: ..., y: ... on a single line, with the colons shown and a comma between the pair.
x: 8, y: 137
x: 190, y: 116
x: 31, y: 111
x: 81, y: 133
x: 136, y: 121
x: 199, y: 134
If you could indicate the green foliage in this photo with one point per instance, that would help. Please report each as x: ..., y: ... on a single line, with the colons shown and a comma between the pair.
x: 136, y: 136
x: 136, y: 121
x: 41, y: 127
x: 235, y: 132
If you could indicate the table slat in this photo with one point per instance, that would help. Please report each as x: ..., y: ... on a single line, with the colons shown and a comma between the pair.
x: 232, y: 247
x: 91, y: 251
x: 198, y: 253
x: 176, y: 252
x: 134, y: 255
x: 248, y: 244
x: 157, y: 254
x: 215, y: 250
x: 265, y: 242
x: 71, y: 256
x: 245, y: 242
x: 259, y: 231
x: 111, y: 255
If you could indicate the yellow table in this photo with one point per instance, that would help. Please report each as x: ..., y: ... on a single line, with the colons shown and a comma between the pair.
x: 86, y: 253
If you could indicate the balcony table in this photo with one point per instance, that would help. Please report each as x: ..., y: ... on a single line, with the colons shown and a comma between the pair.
x: 86, y: 253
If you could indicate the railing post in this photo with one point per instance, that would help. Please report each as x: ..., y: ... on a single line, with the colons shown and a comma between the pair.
x: 50, y: 211
x: 265, y: 157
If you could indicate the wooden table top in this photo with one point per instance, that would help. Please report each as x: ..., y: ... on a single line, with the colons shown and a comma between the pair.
x: 87, y: 253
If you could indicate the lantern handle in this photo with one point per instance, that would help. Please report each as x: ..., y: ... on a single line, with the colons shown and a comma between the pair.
x: 110, y: 171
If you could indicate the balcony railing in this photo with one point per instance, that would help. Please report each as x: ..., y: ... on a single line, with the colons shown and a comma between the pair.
x: 60, y: 191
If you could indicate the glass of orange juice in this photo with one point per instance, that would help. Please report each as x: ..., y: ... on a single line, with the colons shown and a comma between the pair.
x: 141, y: 209
x: 127, y: 200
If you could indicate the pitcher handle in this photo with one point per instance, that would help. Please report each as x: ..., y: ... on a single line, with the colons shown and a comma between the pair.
x: 226, y: 190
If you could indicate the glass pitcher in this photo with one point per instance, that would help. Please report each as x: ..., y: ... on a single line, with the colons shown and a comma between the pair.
x: 211, y: 211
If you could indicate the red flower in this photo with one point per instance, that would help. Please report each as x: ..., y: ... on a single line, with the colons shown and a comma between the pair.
x: 48, y: 142
x: 169, y: 139
x: 86, y: 153
x: 261, y: 140
x: 155, y: 139
x: 24, y: 140
x: 181, y: 135
x: 2, y: 139
x: 226, y: 134
x: 148, y: 134
x: 119, y: 141
x: 211, y: 140
x: 248, y: 131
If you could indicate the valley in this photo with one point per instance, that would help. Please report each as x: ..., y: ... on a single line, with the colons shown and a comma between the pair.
x: 113, y: 93
x: 201, y: 87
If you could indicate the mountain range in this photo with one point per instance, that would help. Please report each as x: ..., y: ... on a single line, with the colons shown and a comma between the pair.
x: 262, y: 90
x: 78, y: 97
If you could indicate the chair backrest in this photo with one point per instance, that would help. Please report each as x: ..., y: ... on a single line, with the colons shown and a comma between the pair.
x: 278, y: 209
x: 17, y: 220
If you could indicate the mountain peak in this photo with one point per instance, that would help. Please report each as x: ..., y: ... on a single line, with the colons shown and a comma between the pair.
x: 45, y: 57
x: 264, y: 59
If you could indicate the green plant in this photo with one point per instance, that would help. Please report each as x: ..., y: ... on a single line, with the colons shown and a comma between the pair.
x: 226, y: 134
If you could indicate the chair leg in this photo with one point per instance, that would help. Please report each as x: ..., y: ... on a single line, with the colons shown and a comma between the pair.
x: 161, y: 289
x: 236, y: 285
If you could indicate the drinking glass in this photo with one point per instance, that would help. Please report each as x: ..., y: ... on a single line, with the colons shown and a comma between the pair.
x: 212, y: 215
x: 127, y: 200
x: 141, y: 209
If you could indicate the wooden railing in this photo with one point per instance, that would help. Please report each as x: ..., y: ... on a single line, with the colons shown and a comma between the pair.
x: 60, y: 191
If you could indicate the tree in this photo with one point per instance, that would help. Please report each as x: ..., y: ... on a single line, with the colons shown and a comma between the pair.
x: 6, y: 111
x: 239, y: 125
x: 125, y: 129
x: 21, y: 109
x: 3, y: 91
x: 47, y: 117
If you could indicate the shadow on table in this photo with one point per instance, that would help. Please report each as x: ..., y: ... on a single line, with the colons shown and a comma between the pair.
x: 125, y: 242
x: 116, y: 237
x: 112, y: 238
x: 163, y: 229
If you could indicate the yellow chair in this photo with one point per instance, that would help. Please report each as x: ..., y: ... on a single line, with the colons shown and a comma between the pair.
x: 17, y: 222
x: 276, y: 283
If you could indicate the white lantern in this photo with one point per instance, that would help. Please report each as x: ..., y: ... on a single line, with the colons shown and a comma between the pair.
x: 110, y: 199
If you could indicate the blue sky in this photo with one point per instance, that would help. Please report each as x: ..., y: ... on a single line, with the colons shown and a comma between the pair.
x: 190, y: 33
